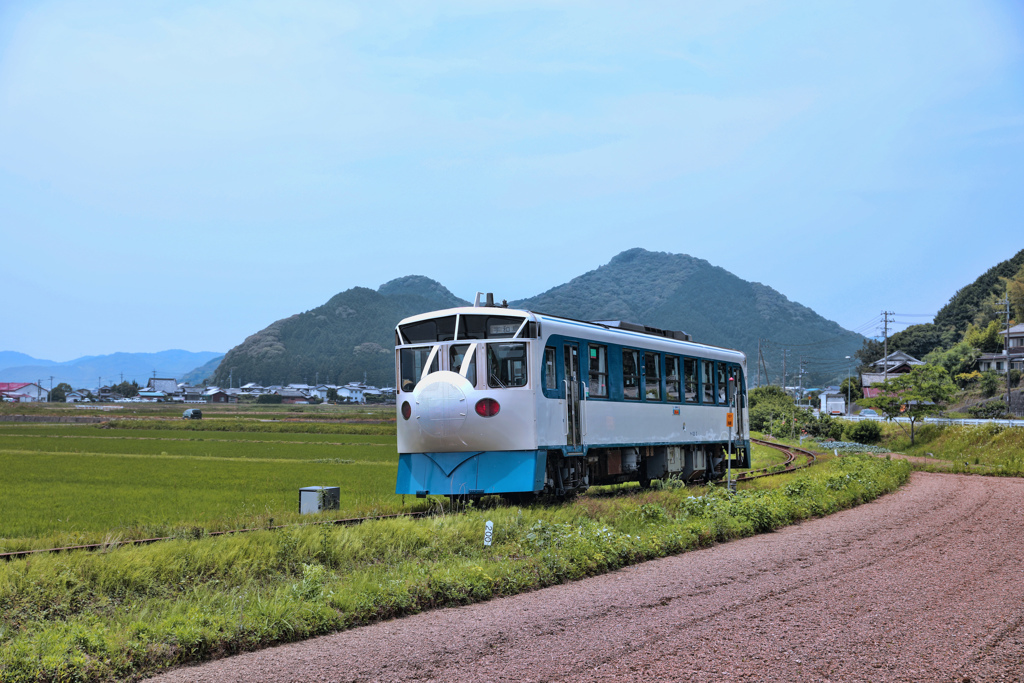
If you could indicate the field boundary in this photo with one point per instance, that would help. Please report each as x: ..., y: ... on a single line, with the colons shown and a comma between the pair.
x: 59, y: 419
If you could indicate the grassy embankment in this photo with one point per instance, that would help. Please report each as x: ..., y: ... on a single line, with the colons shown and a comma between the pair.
x: 989, y: 449
x: 134, y: 610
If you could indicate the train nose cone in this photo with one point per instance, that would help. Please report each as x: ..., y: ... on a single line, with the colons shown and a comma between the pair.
x: 441, y: 404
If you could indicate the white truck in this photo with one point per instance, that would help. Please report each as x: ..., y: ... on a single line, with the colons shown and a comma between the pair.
x: 833, y: 404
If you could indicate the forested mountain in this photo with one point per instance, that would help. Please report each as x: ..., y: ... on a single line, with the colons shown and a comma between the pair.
x: 976, y: 304
x: 349, y: 337
x: 353, y: 333
x: 679, y: 292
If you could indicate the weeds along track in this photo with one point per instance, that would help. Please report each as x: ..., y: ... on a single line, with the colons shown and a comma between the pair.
x: 791, y: 465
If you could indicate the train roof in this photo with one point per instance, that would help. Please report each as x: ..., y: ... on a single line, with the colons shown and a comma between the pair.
x: 615, y: 326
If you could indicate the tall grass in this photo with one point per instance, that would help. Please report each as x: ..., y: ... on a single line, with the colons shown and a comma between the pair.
x: 129, y: 612
x: 987, y: 449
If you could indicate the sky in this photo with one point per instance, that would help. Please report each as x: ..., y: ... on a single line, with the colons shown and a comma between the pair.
x: 182, y: 174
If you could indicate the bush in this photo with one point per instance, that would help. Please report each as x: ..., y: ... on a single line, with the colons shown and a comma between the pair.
x: 988, y: 410
x: 989, y: 383
x: 269, y: 398
x: 865, y: 431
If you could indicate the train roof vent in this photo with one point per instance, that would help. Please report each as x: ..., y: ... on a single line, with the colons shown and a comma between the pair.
x: 634, y: 327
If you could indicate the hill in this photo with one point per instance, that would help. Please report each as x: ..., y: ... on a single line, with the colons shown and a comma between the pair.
x: 350, y: 337
x: 680, y: 292
x: 353, y: 333
x: 87, y: 370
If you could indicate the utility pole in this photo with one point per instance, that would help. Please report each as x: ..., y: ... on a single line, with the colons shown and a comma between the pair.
x: 801, y: 378
x: 39, y: 389
x: 49, y: 396
x: 758, y: 361
x: 885, y: 347
x: 784, y: 352
x: 1006, y: 349
x: 122, y: 378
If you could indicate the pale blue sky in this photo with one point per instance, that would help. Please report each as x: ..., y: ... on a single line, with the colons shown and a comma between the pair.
x: 180, y: 175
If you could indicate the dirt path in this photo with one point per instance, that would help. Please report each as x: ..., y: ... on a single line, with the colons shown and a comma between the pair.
x: 926, y: 584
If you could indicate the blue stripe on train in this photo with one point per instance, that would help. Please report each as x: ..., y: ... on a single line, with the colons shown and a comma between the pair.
x: 472, y: 473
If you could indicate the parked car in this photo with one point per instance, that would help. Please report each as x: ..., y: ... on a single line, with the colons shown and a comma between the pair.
x: 868, y: 412
x: 192, y: 414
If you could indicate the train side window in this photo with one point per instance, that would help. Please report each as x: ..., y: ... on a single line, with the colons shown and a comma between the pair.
x: 506, y: 365
x: 672, y: 378
x: 457, y: 355
x: 412, y: 362
x: 598, y: 375
x: 737, y: 373
x: 550, y: 381
x: 723, y: 397
x: 652, y: 376
x: 691, y: 387
x: 631, y: 374
x: 707, y: 378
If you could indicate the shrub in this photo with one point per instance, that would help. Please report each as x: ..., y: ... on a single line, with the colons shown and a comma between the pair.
x: 988, y: 410
x: 269, y: 398
x: 865, y: 431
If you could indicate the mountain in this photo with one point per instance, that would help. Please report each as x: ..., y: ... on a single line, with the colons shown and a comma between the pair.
x: 965, y: 305
x: 203, y: 372
x: 680, y: 292
x: 353, y: 333
x: 13, y: 359
x: 88, y: 370
x: 350, y: 337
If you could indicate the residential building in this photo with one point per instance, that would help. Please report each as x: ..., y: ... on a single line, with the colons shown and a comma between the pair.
x: 896, y: 363
x: 1012, y: 355
x: 23, y: 392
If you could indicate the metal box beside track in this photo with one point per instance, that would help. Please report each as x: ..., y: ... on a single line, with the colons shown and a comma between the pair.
x: 313, y: 499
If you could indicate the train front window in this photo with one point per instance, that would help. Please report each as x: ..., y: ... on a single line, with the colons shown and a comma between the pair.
x: 438, y: 329
x: 463, y: 356
x: 412, y: 361
x: 506, y: 365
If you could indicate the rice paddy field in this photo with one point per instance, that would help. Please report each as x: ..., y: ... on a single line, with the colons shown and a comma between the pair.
x: 66, y: 484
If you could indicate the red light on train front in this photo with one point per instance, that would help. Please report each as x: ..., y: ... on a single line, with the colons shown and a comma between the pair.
x: 487, y: 407
x: 406, y: 410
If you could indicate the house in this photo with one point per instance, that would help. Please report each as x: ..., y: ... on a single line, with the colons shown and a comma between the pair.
x: 896, y: 363
x: 165, y: 384
x: 292, y: 396
x: 1012, y: 355
x: 151, y: 395
x: 23, y: 392
x: 221, y: 396
x: 76, y: 396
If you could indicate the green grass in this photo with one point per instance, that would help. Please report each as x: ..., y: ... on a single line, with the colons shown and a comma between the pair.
x: 135, y: 610
x: 68, y: 485
x: 983, y: 449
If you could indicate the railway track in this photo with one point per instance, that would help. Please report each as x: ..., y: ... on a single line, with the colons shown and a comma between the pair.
x: 791, y: 465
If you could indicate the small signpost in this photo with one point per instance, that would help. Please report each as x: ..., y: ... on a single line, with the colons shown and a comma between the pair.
x: 488, y: 532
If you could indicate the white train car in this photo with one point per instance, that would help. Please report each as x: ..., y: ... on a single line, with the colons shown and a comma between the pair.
x: 493, y: 400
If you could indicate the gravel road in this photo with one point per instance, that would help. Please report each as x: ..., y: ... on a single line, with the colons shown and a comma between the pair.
x: 926, y: 584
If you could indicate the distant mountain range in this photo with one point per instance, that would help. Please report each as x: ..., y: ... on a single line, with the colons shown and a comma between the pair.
x: 352, y: 335
x: 88, y: 370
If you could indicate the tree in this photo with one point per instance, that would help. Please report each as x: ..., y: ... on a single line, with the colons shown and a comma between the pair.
x: 914, y: 395
x: 60, y: 392
x: 868, y: 353
x: 856, y: 391
x: 960, y: 359
x: 986, y: 339
x: 332, y: 394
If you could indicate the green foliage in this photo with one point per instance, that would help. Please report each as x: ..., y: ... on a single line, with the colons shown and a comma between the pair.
x: 870, y: 351
x: 920, y: 340
x: 269, y: 399
x: 964, y: 307
x: 60, y: 392
x: 962, y: 358
x: 988, y: 410
x: 864, y: 431
x: 856, y: 392
x: 768, y: 394
x: 985, y: 339
x: 921, y: 392
x: 989, y: 383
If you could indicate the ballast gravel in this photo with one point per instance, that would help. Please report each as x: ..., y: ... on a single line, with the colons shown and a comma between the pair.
x: 925, y: 584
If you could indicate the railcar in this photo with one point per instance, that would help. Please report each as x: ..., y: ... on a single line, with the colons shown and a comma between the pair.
x: 492, y: 400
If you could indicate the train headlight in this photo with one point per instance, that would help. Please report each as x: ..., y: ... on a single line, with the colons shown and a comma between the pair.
x: 406, y: 410
x: 487, y: 407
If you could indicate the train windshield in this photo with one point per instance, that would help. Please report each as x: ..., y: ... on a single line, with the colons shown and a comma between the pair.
x: 463, y: 357
x: 412, y: 361
x: 506, y: 365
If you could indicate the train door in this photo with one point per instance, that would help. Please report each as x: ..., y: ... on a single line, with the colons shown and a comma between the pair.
x: 574, y: 432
